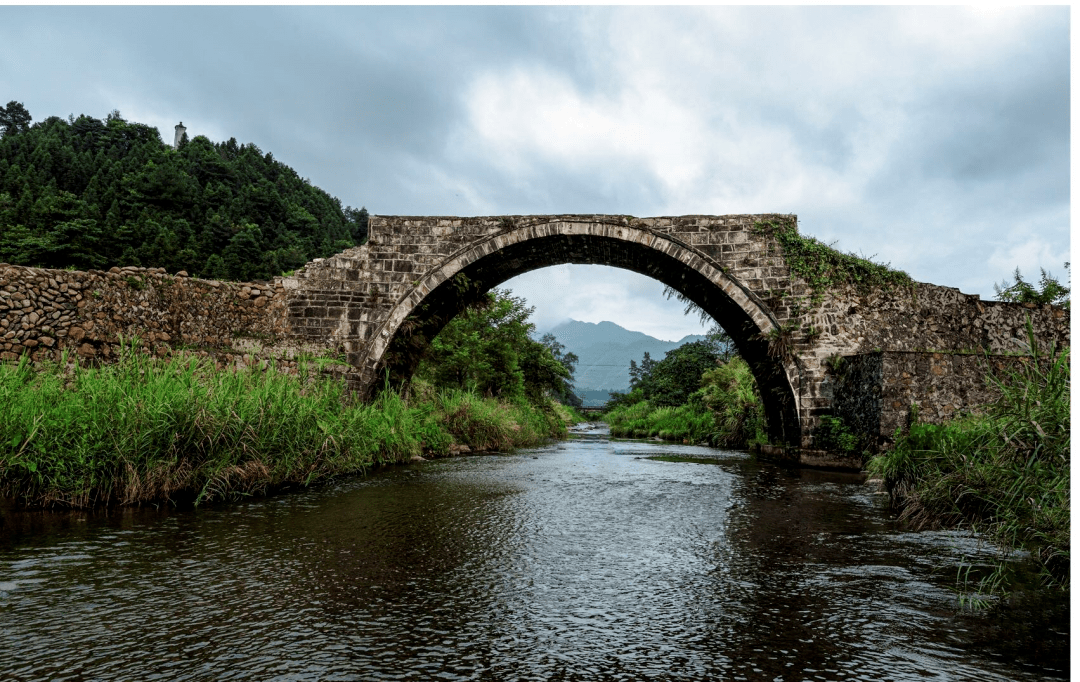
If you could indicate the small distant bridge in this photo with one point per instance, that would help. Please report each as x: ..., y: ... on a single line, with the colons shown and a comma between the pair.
x: 591, y: 410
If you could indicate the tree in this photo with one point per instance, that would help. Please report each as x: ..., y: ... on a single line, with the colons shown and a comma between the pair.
x: 1050, y: 290
x: 85, y: 191
x: 359, y: 223
x: 14, y: 119
x: 478, y: 350
x: 640, y: 375
x: 243, y: 255
x: 674, y: 378
x: 562, y: 386
x: 671, y: 380
x: 487, y: 349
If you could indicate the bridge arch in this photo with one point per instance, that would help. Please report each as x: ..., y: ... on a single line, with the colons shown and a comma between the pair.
x: 433, y: 298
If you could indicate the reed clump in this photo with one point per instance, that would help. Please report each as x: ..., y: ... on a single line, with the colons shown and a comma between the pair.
x: 181, y: 431
x: 1004, y: 473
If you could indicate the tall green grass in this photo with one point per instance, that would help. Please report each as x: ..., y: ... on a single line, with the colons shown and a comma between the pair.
x: 179, y: 430
x: 725, y: 412
x: 1005, y: 473
x: 685, y: 423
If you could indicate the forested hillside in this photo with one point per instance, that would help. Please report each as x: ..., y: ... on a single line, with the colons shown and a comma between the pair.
x: 90, y: 193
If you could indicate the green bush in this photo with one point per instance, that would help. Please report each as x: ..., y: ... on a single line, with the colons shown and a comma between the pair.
x: 833, y: 434
x: 725, y: 412
x: 730, y: 392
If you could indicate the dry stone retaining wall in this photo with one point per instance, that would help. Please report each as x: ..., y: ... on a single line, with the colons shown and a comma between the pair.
x: 46, y: 312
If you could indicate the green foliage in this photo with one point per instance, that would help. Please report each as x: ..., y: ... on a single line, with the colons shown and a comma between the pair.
x: 670, y: 381
x: 88, y: 193
x: 1050, y: 290
x: 557, y: 378
x: 725, y: 412
x: 145, y: 430
x: 14, y: 119
x: 823, y: 267
x: 833, y: 434
x: 781, y: 341
x: 836, y: 365
x: 685, y: 423
x: 634, y: 396
x: 487, y: 349
x: 1004, y: 473
x: 730, y: 392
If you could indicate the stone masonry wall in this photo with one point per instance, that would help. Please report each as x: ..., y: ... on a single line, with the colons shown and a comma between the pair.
x: 349, y: 295
x: 45, y: 312
x: 874, y: 392
x: 923, y: 320
x: 347, y: 298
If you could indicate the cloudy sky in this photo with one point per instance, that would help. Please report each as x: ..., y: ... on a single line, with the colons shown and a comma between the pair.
x: 936, y: 139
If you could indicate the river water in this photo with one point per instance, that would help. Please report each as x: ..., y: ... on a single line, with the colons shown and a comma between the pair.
x: 583, y: 560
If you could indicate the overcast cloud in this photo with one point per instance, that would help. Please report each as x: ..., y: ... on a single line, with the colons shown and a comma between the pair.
x: 935, y: 138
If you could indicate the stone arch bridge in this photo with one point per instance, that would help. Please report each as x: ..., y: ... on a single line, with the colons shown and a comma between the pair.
x: 865, y: 354
x: 916, y: 343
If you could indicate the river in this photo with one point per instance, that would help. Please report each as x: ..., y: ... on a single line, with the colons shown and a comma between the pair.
x: 587, y: 559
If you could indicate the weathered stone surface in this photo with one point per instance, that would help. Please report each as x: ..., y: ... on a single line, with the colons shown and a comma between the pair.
x: 902, y: 345
x: 734, y: 272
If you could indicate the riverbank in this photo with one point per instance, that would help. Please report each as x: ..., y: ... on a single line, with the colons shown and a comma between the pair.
x: 1004, y: 473
x: 180, y: 431
x: 726, y: 411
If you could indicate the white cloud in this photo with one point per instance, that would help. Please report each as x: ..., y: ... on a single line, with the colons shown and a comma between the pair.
x: 520, y: 115
x: 595, y: 293
x: 1029, y: 255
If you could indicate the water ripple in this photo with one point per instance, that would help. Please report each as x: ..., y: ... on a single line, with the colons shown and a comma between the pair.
x: 585, y: 560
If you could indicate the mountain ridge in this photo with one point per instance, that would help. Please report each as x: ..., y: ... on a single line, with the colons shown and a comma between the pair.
x: 605, y: 349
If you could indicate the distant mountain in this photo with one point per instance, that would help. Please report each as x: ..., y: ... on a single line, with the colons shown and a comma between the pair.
x: 605, y: 350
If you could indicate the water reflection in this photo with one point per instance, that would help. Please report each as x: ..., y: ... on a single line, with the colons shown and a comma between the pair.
x: 582, y: 560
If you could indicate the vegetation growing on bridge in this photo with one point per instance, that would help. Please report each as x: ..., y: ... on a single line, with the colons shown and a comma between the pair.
x: 89, y: 193
x: 824, y: 267
x: 1004, y: 473
x: 1049, y: 290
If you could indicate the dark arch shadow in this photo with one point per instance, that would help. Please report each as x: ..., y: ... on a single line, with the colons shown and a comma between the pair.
x: 429, y: 313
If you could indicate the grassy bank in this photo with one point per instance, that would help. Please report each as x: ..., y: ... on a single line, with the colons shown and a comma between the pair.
x: 1004, y: 473
x: 147, y: 430
x: 725, y: 412
x: 684, y: 423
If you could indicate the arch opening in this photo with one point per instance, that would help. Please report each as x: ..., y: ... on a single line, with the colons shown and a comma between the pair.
x: 462, y: 278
